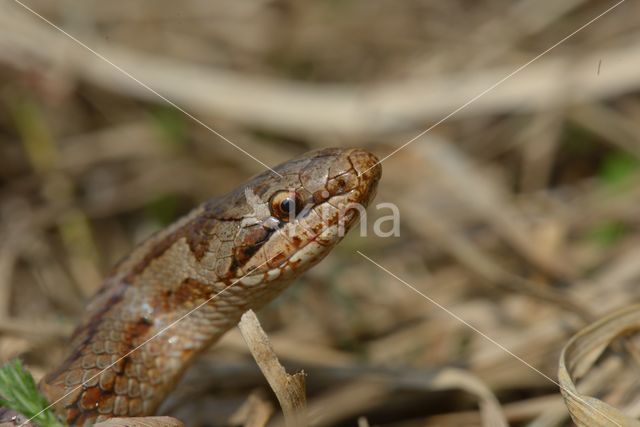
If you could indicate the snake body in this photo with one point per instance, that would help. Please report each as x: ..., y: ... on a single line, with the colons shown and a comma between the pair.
x: 229, y: 255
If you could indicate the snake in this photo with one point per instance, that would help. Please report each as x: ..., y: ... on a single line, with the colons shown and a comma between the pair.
x: 181, y: 289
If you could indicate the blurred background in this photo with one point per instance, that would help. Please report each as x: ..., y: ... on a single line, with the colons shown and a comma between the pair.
x: 519, y: 213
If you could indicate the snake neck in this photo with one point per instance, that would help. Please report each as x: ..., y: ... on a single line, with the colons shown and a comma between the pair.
x: 131, y: 351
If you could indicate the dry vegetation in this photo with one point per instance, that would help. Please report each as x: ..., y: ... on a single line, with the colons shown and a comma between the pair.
x: 519, y: 213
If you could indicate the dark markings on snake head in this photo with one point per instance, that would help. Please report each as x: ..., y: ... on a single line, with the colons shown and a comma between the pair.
x: 248, y: 242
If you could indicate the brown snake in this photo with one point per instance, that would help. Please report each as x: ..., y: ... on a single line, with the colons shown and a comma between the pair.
x: 239, y: 251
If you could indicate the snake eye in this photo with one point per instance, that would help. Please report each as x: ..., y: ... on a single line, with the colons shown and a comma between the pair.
x: 285, y: 205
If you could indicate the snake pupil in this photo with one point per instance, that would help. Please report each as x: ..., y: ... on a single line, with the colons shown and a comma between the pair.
x: 288, y: 205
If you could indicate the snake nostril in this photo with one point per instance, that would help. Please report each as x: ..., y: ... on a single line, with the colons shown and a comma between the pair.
x: 342, y: 184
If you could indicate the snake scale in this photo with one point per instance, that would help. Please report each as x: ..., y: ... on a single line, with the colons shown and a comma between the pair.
x: 230, y: 254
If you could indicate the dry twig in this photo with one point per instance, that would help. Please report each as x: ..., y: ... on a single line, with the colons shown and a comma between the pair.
x: 289, y: 389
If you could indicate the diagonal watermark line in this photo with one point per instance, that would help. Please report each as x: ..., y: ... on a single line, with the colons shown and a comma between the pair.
x: 458, y: 318
x: 485, y: 336
x: 495, y: 85
x: 157, y: 334
x: 146, y: 86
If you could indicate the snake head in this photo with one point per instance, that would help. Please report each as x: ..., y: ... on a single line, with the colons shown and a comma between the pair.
x: 286, y: 224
